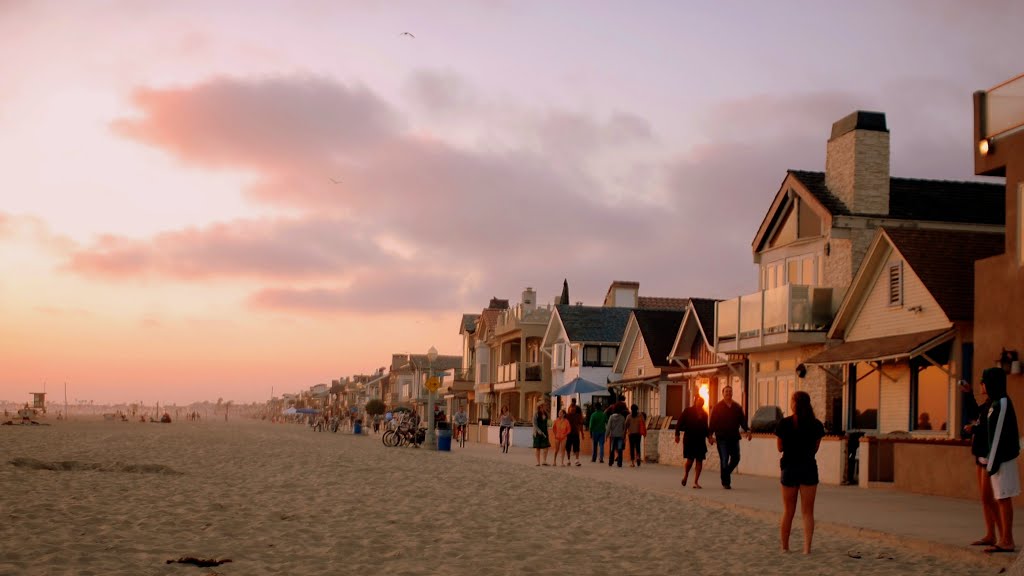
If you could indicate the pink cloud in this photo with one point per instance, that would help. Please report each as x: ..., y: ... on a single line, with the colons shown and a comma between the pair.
x: 312, y: 247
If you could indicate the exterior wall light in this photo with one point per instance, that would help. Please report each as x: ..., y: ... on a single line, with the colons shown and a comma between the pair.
x: 984, y: 146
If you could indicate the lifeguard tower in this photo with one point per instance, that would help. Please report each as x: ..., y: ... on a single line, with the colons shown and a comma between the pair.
x: 39, y: 402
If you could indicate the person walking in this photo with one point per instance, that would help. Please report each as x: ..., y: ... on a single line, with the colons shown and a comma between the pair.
x: 693, y: 425
x: 505, y: 424
x: 596, y: 425
x: 977, y: 432
x: 798, y: 438
x: 541, y: 442
x: 635, y: 429
x: 616, y: 431
x: 1001, y: 461
x: 572, y: 441
x: 726, y: 420
x: 559, y: 432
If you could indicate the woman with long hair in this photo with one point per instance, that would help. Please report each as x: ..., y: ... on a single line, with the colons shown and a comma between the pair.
x: 541, y: 441
x: 798, y: 439
x: 633, y: 428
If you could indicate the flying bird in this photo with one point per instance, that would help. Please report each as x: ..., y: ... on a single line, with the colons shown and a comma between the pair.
x: 333, y: 181
x: 409, y: 34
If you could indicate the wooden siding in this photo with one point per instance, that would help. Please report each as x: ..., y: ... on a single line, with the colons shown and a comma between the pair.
x: 877, y: 319
x: 635, y: 361
x: 700, y: 355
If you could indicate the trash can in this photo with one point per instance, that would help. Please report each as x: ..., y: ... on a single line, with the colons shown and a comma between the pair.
x: 444, y: 437
x: 358, y: 427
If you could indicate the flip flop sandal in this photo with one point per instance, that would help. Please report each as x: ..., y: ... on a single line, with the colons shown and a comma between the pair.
x: 995, y: 549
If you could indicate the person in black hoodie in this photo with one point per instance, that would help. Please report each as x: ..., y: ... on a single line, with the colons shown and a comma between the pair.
x: 1003, y: 449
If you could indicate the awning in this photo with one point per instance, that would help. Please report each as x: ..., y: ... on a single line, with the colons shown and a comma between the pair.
x: 881, y: 349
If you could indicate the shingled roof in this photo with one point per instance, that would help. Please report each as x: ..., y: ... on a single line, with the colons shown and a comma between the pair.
x: 659, y: 329
x: 661, y: 303
x: 926, y: 200
x: 593, y: 323
x: 944, y: 261
x: 469, y: 323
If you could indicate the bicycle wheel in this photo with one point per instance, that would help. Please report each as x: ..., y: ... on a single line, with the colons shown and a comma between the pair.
x: 390, y: 438
x: 462, y: 437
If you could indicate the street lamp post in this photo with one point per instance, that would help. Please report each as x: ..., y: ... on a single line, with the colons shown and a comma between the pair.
x: 431, y: 438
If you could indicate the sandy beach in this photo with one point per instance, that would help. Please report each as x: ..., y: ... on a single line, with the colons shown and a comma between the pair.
x: 280, y: 499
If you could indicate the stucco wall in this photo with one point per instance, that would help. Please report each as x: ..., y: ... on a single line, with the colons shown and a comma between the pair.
x: 759, y: 456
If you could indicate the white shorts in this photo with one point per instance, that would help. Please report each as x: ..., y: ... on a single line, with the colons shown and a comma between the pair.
x: 1006, y: 482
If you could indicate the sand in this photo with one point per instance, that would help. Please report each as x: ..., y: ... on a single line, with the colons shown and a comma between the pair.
x: 95, y: 497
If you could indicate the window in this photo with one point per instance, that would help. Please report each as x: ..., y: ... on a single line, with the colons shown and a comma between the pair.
x: 865, y: 385
x: 896, y: 284
x: 640, y: 371
x: 599, y: 355
x: 558, y: 358
x: 574, y: 355
x: 608, y: 354
x: 930, y: 389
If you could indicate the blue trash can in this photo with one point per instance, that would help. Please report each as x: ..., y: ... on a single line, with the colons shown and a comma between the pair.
x: 358, y: 428
x: 444, y: 439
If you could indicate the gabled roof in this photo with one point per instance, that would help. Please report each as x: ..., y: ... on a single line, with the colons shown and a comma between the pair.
x: 468, y: 325
x: 488, y: 319
x: 593, y: 323
x: 705, y: 311
x: 926, y: 200
x: 659, y: 329
x: 944, y: 261
x: 698, y: 322
x: 661, y: 303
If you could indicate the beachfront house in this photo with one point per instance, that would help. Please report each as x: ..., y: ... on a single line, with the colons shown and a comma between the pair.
x: 483, y: 379
x: 582, y: 342
x: 642, y: 368
x: 460, y: 383
x: 999, y: 315
x: 519, y: 378
x: 702, y: 370
x: 906, y: 333
x: 410, y: 373
x: 809, y: 246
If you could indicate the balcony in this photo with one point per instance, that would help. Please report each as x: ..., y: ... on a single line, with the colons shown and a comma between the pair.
x: 790, y: 315
x: 1004, y: 108
x: 510, y: 372
x: 517, y: 318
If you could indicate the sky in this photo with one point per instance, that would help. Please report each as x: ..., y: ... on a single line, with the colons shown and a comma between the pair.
x: 206, y: 200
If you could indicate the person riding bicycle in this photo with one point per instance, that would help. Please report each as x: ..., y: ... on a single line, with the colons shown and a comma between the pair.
x: 461, y: 419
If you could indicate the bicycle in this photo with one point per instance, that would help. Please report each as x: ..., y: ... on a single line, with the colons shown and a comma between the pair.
x: 460, y: 435
x: 505, y: 438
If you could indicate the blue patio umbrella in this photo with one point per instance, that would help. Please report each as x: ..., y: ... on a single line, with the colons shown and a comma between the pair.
x: 580, y: 386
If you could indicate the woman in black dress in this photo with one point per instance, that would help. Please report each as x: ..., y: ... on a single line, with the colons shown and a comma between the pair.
x: 693, y: 424
x: 799, y: 437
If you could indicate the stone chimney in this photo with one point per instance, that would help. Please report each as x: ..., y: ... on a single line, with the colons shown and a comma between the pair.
x: 857, y: 163
x: 529, y: 300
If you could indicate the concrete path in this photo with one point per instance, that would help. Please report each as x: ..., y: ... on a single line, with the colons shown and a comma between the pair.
x: 932, y: 524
